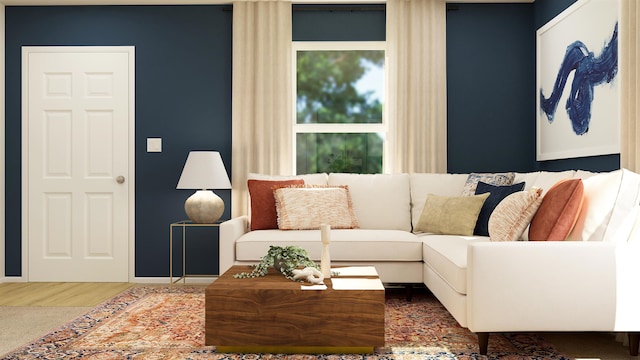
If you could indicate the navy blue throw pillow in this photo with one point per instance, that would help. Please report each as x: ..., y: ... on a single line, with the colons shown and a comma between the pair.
x: 497, y: 194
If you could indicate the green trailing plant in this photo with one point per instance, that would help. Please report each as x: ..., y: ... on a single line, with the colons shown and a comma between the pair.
x: 285, y: 259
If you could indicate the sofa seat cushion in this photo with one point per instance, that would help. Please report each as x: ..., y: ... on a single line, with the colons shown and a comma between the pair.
x: 346, y: 244
x: 447, y: 256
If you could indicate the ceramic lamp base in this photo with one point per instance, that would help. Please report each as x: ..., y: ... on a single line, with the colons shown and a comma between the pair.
x: 204, y: 207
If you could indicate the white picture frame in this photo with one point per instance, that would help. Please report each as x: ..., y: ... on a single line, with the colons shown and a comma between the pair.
x: 592, y: 22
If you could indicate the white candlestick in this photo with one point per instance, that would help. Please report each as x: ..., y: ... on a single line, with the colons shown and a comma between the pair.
x: 325, y: 260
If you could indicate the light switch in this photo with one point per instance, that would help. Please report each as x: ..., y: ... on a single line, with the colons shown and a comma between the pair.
x: 154, y: 144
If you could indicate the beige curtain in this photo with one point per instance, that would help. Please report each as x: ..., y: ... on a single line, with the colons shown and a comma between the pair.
x: 629, y: 72
x: 261, y: 94
x: 629, y: 50
x: 416, y: 46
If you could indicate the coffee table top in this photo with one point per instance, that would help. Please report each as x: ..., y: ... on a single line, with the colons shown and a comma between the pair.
x: 348, y: 279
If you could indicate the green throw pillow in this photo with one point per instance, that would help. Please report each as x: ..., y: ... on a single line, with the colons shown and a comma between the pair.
x: 451, y: 215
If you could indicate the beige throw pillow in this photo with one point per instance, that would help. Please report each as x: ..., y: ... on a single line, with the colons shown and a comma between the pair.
x: 513, y: 214
x: 451, y: 215
x: 306, y: 207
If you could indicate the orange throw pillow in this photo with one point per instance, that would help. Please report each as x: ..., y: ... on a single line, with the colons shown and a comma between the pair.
x: 558, y: 212
x: 263, y: 203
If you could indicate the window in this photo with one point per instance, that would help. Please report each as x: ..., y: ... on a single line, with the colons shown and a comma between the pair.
x: 340, y: 90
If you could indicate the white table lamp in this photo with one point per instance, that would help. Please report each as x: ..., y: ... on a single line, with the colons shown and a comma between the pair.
x: 204, y: 170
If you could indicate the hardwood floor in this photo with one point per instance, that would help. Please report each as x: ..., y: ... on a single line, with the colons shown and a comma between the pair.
x: 59, y: 294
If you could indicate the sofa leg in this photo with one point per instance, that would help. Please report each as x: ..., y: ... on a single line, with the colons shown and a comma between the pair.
x: 408, y: 292
x: 483, y: 342
x: 634, y: 343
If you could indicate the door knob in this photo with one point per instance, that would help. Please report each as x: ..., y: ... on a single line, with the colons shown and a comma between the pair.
x: 120, y: 179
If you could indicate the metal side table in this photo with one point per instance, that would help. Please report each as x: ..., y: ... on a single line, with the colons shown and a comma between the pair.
x: 185, y: 224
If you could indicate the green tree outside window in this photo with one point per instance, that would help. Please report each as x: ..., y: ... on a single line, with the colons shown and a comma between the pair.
x: 339, y: 87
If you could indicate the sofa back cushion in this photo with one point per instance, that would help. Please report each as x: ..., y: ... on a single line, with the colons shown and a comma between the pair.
x: 499, y: 179
x: 542, y: 179
x: 380, y: 201
x: 600, y: 193
x: 450, y: 215
x: 308, y: 207
x: 266, y: 201
x: 309, y: 179
x: 626, y: 203
x: 423, y: 184
x: 558, y: 212
x: 496, y: 195
x: 512, y: 216
x: 609, y: 199
x: 263, y: 203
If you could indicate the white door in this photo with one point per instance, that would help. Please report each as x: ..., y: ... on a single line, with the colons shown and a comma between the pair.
x: 77, y: 104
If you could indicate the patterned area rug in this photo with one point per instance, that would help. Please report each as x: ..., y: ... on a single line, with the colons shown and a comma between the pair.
x: 162, y: 323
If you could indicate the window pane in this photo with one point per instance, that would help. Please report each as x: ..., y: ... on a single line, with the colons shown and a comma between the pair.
x: 331, y: 152
x: 340, y: 86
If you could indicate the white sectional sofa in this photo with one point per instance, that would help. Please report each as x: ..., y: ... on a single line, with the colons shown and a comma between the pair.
x: 589, y: 284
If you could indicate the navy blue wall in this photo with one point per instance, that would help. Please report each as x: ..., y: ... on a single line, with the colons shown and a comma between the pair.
x: 183, y: 95
x: 338, y: 23
x: 546, y: 10
x: 490, y: 81
x: 490, y: 67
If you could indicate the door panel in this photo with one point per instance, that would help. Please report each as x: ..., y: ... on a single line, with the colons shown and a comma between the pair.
x: 77, y: 118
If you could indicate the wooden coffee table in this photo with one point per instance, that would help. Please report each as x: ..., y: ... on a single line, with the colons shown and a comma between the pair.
x: 272, y: 314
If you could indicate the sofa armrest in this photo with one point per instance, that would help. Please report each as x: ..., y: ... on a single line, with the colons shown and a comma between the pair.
x: 230, y: 231
x: 541, y: 286
x: 628, y: 287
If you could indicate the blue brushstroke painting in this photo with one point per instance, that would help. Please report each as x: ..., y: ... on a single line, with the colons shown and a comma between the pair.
x: 590, y: 71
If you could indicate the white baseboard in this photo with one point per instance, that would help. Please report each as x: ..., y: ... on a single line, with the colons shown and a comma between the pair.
x: 165, y: 280
x: 137, y: 280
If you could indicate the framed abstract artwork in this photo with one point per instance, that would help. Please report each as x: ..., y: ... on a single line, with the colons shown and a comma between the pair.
x: 578, y: 86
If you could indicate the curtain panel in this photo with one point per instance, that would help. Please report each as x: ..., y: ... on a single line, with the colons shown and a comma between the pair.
x: 417, y: 102
x: 629, y: 66
x: 261, y: 94
x: 630, y: 84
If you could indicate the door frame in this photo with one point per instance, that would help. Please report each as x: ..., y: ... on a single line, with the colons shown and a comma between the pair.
x: 26, y: 50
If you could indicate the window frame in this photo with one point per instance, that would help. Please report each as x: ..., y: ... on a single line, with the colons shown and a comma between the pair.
x: 382, y: 127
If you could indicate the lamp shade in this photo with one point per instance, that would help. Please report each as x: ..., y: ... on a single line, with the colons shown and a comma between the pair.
x: 204, y: 170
